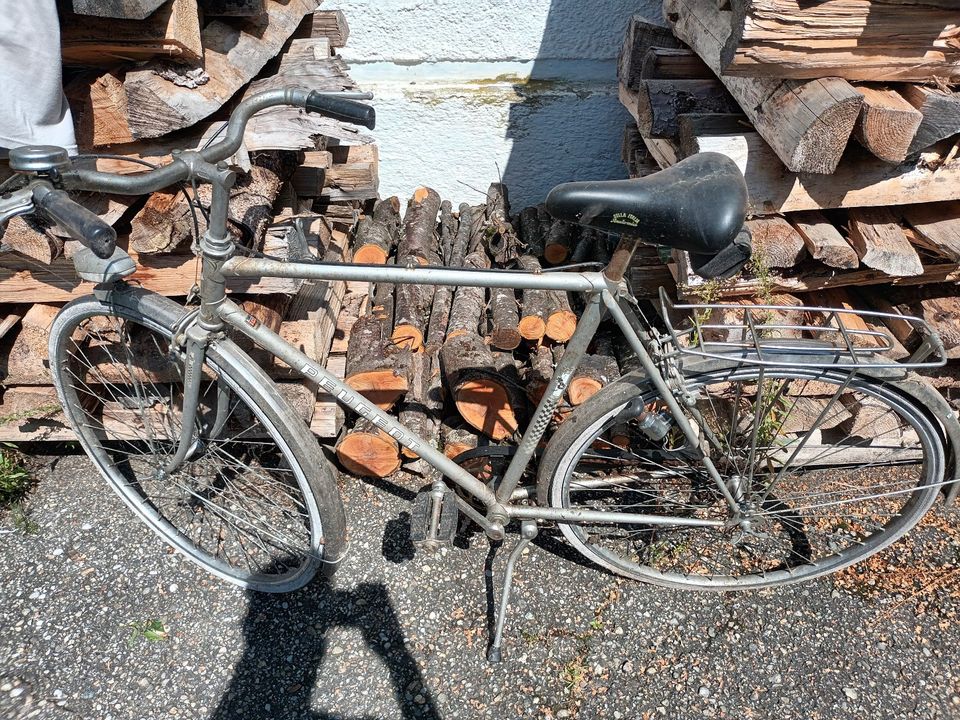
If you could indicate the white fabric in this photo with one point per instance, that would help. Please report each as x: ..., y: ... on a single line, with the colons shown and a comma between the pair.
x: 33, y: 108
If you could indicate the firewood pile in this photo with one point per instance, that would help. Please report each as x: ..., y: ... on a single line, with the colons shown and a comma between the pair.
x: 147, y: 77
x: 842, y: 118
x: 465, y: 367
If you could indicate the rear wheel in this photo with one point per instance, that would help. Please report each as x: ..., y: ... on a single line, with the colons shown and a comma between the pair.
x: 255, y: 502
x: 825, y: 470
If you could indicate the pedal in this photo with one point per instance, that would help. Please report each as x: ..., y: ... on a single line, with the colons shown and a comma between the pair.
x: 433, y: 524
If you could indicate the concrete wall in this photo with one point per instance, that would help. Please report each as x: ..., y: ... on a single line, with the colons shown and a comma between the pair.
x: 468, y: 91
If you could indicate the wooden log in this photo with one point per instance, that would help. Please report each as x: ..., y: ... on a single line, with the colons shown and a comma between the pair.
x: 856, y: 325
x: 232, y: 8
x: 874, y: 299
x: 461, y: 245
x: 311, y: 174
x: 166, y: 222
x: 160, y: 99
x: 505, y: 319
x: 943, y: 316
x: 807, y: 123
x: 458, y: 439
x: 537, y: 305
x: 861, y: 180
x: 170, y: 275
x: 674, y: 64
x: 354, y: 175
x: 171, y: 32
x: 368, y: 451
x: 559, y: 241
x: 377, y: 233
x: 941, y: 114
x: 881, y: 244
x: 634, y: 153
x: 595, y: 373
x: 531, y: 235
x: 938, y: 224
x: 453, y: 250
x: 23, y: 365
x: 887, y: 124
x: 376, y: 367
x: 500, y: 235
x: 31, y: 236
x: 482, y: 399
x: 125, y: 9
x: 776, y: 243
x: 843, y: 38
x: 539, y: 373
x: 417, y: 245
x: 332, y: 25
x: 660, y: 102
x: 642, y: 33
x: 415, y: 414
x: 562, y: 321
x: 823, y: 241
x: 469, y: 303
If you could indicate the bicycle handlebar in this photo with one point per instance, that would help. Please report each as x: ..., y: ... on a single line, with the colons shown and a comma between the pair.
x: 178, y: 170
x: 79, y: 222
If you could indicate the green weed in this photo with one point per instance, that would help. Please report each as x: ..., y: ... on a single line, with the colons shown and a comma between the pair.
x: 150, y: 630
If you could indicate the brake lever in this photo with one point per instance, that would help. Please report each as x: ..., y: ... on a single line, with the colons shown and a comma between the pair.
x: 19, y: 202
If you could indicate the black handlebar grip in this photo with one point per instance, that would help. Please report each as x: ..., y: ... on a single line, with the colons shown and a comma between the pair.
x: 351, y: 111
x: 82, y: 224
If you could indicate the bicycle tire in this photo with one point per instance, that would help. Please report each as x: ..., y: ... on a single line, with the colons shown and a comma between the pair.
x: 268, y: 485
x: 681, y: 566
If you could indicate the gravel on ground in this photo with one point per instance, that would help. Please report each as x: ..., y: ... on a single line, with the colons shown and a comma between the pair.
x: 399, y: 635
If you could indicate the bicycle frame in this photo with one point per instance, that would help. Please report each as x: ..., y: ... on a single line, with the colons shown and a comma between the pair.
x: 603, y: 294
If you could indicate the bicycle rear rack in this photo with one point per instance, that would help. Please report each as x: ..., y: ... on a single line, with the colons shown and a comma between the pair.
x: 783, y: 335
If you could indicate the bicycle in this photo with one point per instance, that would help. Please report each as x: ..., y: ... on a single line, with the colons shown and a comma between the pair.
x: 777, y: 453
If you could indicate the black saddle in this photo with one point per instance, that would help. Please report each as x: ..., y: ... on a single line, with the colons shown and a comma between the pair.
x: 697, y: 205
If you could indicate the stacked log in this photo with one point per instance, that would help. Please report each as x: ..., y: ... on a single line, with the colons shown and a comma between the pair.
x: 472, y: 362
x: 845, y: 123
x: 147, y: 77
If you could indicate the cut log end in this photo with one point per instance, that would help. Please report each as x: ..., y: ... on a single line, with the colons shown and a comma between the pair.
x: 506, y: 338
x: 485, y: 405
x: 408, y: 337
x: 556, y: 254
x: 582, y: 389
x: 369, y: 454
x: 532, y: 327
x: 821, y: 146
x: 370, y: 255
x: 381, y: 387
x: 561, y: 325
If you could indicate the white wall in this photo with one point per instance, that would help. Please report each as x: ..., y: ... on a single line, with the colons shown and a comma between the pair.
x: 469, y: 91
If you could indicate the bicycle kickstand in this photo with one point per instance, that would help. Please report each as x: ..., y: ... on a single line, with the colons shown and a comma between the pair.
x: 528, y: 531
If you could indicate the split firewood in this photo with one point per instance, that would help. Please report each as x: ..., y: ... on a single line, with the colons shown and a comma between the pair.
x: 887, y: 124
x: 172, y: 32
x: 674, y: 64
x: 119, y: 9
x: 32, y: 236
x: 418, y: 246
x: 376, y: 367
x: 559, y: 241
x: 881, y: 243
x: 661, y: 102
x: 776, y: 242
x: 166, y: 221
x: 643, y: 33
x: 232, y: 8
x: 807, y: 123
x: 161, y: 98
x: 368, y: 451
x: 856, y: 325
x: 823, y: 241
x: 938, y: 227
x: 941, y: 114
x: 377, y: 233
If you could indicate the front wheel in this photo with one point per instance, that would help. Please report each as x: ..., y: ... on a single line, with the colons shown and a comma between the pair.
x: 255, y: 502
x: 824, y: 470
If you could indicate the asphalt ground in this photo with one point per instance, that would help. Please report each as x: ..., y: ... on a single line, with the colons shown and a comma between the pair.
x: 395, y: 635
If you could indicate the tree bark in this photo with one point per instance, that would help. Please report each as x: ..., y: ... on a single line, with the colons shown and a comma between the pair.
x: 418, y: 246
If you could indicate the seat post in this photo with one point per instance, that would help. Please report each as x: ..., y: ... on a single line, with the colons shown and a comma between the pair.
x: 620, y: 261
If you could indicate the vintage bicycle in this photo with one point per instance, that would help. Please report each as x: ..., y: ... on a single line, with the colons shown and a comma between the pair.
x: 739, y: 455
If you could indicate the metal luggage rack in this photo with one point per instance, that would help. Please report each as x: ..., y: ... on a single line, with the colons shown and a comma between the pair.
x: 824, y: 338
